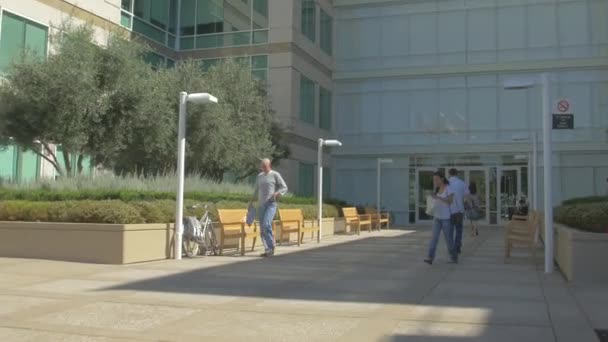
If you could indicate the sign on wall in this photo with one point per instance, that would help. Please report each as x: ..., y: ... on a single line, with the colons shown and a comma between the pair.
x: 563, y: 118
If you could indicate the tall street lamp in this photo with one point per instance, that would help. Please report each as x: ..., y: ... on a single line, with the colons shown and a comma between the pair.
x: 184, y: 98
x: 526, y: 83
x: 329, y: 143
x: 379, y: 185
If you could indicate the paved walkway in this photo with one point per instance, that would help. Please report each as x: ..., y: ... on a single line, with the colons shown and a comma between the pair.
x: 367, y: 288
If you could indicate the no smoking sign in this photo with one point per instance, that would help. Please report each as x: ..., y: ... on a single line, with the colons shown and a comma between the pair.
x: 563, y: 106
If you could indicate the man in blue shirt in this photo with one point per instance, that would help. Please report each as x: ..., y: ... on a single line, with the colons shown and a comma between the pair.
x: 459, y: 189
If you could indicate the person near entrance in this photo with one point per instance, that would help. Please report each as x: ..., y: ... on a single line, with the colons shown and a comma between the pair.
x: 459, y: 189
x: 472, y: 208
x: 442, y: 199
x: 269, y: 186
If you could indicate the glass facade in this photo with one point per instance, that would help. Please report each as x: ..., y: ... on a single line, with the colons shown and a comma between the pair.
x: 325, y: 109
x: 155, y: 19
x: 326, y: 182
x: 307, y: 100
x: 222, y: 23
x: 326, y: 33
x: 19, y: 34
x: 258, y: 65
x: 306, y: 179
x: 309, y: 21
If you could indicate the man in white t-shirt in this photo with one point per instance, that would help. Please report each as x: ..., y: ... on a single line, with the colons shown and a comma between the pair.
x: 459, y: 189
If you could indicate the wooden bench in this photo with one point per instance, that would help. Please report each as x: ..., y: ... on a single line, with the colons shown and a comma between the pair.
x: 292, y: 221
x: 232, y: 226
x: 355, y: 221
x: 378, y: 219
x: 522, y: 230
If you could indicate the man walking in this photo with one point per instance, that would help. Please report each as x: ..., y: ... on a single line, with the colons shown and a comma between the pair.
x: 269, y: 186
x: 459, y: 189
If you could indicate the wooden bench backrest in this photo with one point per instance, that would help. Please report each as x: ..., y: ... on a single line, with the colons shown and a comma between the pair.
x: 350, y: 214
x: 232, y: 219
x: 290, y: 216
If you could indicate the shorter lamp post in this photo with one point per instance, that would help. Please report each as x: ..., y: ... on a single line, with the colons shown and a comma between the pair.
x: 526, y: 83
x: 184, y: 98
x: 322, y: 143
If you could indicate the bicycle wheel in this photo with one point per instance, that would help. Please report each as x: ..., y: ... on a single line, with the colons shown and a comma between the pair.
x: 191, y: 247
x: 211, y: 239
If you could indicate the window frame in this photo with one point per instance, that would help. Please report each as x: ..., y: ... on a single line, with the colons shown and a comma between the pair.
x: 301, y: 117
x: 27, y: 18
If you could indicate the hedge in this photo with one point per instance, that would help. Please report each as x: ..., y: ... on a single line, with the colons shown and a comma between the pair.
x: 120, y: 212
x: 590, y: 217
x: 136, y: 195
x: 582, y: 200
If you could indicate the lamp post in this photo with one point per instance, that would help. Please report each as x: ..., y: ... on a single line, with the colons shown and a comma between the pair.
x: 526, y: 83
x: 184, y: 98
x: 379, y: 185
x: 322, y: 143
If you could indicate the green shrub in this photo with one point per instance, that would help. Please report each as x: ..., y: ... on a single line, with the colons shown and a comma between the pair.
x: 114, y: 211
x: 7, y: 194
x: 73, y: 212
x: 591, y: 217
x: 582, y: 200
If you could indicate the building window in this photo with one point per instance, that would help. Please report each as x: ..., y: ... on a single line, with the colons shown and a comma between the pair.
x: 325, y: 108
x: 155, y: 60
x: 307, y: 100
x: 326, y: 182
x: 211, y: 23
x: 19, y: 34
x: 326, y: 32
x: 154, y: 19
x: 306, y: 180
x: 258, y: 65
x: 309, y: 22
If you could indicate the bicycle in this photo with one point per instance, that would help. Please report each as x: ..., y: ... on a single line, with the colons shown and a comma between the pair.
x: 199, y: 235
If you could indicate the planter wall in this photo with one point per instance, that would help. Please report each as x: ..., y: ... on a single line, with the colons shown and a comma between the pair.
x: 580, y: 255
x: 108, y: 243
x: 83, y: 242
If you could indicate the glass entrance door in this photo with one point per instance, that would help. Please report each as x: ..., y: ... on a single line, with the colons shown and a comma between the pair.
x: 424, y: 188
x: 480, y: 178
x: 510, y: 187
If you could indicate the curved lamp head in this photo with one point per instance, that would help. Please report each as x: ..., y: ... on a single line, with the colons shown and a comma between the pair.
x: 202, y: 98
x: 385, y: 161
x: 331, y: 143
x: 514, y: 83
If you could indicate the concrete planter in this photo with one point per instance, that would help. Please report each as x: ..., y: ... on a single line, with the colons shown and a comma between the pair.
x: 580, y: 255
x: 84, y: 242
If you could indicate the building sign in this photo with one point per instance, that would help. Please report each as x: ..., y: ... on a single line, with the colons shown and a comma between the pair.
x: 563, y: 119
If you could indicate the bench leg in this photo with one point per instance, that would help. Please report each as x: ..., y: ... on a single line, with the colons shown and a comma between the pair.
x: 221, y: 243
x: 300, y: 237
x: 242, y: 244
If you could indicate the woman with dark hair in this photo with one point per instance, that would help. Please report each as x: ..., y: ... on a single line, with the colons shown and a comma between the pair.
x: 471, y: 207
x: 441, y: 222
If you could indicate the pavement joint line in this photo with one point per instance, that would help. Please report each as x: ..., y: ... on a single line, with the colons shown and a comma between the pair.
x: 53, y: 329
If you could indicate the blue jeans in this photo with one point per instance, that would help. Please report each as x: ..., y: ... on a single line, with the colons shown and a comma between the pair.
x: 266, y: 215
x: 457, y: 235
x: 440, y: 225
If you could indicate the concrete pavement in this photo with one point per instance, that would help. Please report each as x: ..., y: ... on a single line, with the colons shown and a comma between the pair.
x: 369, y: 288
